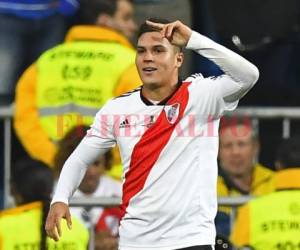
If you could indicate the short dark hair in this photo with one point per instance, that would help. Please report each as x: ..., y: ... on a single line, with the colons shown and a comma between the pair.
x: 91, y: 9
x: 32, y: 179
x: 234, y: 121
x: 144, y: 28
x: 69, y: 143
x: 288, y: 152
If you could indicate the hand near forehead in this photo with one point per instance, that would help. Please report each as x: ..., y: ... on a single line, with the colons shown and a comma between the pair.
x: 176, y: 32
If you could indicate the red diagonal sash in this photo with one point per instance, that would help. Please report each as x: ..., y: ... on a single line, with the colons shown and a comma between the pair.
x: 148, y: 149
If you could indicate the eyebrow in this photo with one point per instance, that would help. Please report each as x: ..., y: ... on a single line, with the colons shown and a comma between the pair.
x: 154, y: 46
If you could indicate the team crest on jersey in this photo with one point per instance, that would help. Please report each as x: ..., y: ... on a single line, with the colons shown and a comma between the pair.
x: 172, y: 112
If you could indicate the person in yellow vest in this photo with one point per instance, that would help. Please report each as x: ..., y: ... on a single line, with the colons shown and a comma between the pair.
x: 273, y: 221
x: 23, y: 227
x: 67, y: 84
x: 239, y: 171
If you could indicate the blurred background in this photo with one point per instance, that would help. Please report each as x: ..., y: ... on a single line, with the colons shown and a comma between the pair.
x: 266, y: 32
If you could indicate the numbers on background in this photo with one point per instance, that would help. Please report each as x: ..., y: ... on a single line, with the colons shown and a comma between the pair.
x: 76, y: 72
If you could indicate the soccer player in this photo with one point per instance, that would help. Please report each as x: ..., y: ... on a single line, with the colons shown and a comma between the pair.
x: 167, y: 134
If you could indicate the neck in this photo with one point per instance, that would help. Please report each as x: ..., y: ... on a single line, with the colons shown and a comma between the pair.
x: 157, y: 92
x: 243, y: 181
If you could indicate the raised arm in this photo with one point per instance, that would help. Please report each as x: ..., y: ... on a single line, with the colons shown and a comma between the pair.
x: 243, y: 73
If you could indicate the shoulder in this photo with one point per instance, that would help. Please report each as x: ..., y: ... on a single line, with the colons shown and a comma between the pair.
x: 263, y: 171
x: 263, y: 181
x: 129, y: 94
x: 198, y: 78
x: 194, y: 77
x: 52, y: 52
x: 199, y: 82
x: 20, y: 209
x: 117, y: 103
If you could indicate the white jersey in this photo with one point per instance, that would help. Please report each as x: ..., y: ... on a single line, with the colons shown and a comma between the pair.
x: 169, y: 154
x: 107, y: 187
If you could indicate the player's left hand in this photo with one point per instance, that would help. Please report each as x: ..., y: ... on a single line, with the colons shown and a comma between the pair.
x: 176, y: 32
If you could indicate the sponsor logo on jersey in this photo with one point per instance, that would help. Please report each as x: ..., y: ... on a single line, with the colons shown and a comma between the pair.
x: 124, y: 124
x: 135, y: 120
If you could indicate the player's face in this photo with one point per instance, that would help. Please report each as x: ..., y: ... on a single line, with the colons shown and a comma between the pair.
x: 238, y: 150
x: 91, y: 179
x: 157, y: 59
x: 123, y: 18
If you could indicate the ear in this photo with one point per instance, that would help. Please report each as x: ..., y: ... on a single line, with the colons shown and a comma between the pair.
x: 105, y: 20
x: 179, y: 59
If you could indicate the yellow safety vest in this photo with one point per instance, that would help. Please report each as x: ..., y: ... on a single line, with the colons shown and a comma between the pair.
x: 75, y: 79
x: 275, y: 221
x: 262, y: 183
x: 20, y: 230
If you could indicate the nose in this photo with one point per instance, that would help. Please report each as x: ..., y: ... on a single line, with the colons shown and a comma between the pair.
x: 148, y: 57
x: 235, y: 149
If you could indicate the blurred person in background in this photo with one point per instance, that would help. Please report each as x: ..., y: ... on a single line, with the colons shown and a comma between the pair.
x: 107, y: 228
x: 240, y: 173
x: 68, y: 84
x: 95, y: 183
x: 272, y: 221
x: 23, y: 227
x: 27, y: 29
x: 105, y: 221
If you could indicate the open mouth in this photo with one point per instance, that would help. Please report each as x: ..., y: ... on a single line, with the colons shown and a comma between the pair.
x: 149, y: 69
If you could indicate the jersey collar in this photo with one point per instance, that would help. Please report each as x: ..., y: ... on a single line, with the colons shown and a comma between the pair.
x: 164, y: 101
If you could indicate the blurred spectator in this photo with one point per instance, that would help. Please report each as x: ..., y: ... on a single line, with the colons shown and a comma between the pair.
x: 107, y: 229
x: 273, y: 221
x: 23, y: 227
x: 239, y: 171
x: 94, y: 183
x: 68, y: 84
x: 27, y: 29
x: 172, y: 10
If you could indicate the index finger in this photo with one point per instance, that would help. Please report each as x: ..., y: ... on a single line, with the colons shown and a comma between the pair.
x: 158, y: 26
x: 51, y: 228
